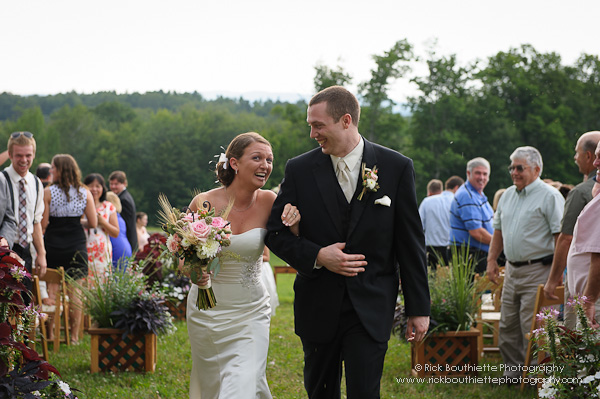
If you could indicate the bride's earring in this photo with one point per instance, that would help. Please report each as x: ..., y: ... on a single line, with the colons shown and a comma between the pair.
x: 236, y: 171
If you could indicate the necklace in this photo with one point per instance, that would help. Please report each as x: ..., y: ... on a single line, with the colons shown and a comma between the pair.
x: 246, y: 208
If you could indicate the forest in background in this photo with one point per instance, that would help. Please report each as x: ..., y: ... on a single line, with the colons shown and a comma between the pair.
x: 165, y: 140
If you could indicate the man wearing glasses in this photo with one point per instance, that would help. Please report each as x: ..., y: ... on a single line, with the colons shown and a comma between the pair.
x: 526, y: 226
x: 26, y: 192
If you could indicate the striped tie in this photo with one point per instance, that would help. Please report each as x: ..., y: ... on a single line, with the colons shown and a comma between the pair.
x: 22, y: 214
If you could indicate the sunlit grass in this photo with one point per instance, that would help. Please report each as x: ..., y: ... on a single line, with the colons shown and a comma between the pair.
x: 284, y: 369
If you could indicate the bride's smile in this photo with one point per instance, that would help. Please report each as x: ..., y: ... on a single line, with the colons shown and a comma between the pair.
x: 256, y: 164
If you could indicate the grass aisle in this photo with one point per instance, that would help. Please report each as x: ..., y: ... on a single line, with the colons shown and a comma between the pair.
x: 284, y: 369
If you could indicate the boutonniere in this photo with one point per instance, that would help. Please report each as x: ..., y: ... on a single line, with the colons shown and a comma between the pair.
x: 369, y: 180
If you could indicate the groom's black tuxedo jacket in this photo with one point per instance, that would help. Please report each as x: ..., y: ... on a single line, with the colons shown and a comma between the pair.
x: 388, y: 237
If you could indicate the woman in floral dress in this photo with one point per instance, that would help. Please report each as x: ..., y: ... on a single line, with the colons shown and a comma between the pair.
x: 99, y: 247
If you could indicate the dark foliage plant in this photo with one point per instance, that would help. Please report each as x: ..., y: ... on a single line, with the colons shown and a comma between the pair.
x: 144, y: 315
x: 23, y: 373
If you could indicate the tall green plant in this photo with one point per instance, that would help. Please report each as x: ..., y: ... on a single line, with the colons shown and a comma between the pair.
x: 103, y: 297
x: 454, y: 296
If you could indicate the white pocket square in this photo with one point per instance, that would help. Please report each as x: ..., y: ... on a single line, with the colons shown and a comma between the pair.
x: 385, y: 201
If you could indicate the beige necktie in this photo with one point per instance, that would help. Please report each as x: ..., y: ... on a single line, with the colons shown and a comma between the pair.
x: 343, y: 175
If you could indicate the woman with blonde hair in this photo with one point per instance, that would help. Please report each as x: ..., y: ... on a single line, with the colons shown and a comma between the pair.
x: 66, y: 201
x: 120, y: 245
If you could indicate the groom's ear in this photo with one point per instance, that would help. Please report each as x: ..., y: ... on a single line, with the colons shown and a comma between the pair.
x: 346, y: 121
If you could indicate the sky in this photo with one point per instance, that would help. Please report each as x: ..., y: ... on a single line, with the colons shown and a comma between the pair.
x: 240, y: 47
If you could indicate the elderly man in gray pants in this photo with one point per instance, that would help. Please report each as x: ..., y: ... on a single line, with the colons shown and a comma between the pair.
x: 526, y: 225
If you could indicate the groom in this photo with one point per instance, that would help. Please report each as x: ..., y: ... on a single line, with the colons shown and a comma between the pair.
x: 349, y: 251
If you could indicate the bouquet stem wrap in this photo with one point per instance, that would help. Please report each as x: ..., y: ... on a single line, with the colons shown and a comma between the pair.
x: 206, y: 296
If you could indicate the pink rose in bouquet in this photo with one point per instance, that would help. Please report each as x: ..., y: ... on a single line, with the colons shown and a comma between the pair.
x: 219, y: 222
x: 200, y: 229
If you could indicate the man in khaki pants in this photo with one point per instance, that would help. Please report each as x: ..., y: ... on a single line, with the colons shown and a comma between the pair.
x: 526, y: 225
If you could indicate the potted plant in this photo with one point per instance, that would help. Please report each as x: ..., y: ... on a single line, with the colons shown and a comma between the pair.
x: 126, y: 318
x: 23, y: 373
x: 450, y: 348
x: 572, y: 368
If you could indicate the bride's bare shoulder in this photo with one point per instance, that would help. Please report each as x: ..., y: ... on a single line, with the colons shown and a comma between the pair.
x: 216, y: 197
x: 268, y: 196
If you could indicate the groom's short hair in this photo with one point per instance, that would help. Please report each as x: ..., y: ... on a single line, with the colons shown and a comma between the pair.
x: 339, y: 103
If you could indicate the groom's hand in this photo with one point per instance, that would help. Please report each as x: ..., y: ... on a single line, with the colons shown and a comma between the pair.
x: 335, y: 260
x: 417, y: 328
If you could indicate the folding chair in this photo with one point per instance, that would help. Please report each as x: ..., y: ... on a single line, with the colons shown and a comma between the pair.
x: 488, y: 313
x: 540, y: 302
x: 61, y: 311
x: 41, y: 323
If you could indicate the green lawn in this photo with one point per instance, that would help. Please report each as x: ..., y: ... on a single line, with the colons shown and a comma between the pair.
x: 284, y: 369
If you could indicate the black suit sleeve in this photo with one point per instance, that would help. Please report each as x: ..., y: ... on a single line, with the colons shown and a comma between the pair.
x: 409, y: 245
x: 298, y: 252
x: 128, y: 214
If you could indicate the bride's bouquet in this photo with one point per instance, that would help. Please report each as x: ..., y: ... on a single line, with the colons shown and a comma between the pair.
x: 198, y: 238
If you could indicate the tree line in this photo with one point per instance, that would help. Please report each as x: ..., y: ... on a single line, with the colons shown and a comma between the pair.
x: 165, y: 141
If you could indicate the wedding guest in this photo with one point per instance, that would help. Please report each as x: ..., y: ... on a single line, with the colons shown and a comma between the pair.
x: 435, y: 216
x: 526, y: 225
x: 141, y: 221
x: 26, y: 201
x: 118, y: 185
x: 577, y: 199
x: 230, y: 341
x: 497, y: 196
x: 120, y: 245
x: 66, y: 201
x: 99, y: 246
x: 354, y: 245
x: 583, y: 261
x: 8, y: 226
x: 471, y: 214
x: 43, y: 173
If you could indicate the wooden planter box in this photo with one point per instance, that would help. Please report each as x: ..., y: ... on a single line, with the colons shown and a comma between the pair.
x: 177, y: 309
x: 446, y: 354
x: 112, y: 353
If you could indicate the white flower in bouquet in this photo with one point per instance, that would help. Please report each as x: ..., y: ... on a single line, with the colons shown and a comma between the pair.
x: 209, y: 250
x: 185, y: 243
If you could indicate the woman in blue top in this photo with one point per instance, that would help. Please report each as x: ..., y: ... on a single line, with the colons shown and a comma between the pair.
x: 121, y: 246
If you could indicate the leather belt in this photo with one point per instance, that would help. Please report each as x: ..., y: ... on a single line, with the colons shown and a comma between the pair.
x: 546, y: 260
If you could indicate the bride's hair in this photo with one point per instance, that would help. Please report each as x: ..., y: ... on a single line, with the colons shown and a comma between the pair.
x: 235, y: 150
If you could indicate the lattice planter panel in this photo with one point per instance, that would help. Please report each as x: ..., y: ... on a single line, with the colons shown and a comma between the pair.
x: 446, y: 354
x: 110, y: 352
x: 177, y: 309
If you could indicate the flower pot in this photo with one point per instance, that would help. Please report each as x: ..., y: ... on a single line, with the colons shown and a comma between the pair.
x: 110, y: 352
x: 446, y: 354
x: 177, y: 308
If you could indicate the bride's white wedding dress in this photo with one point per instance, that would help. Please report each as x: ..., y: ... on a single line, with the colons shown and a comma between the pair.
x: 230, y: 342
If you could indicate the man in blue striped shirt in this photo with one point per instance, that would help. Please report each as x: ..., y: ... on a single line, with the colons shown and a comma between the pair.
x: 471, y: 214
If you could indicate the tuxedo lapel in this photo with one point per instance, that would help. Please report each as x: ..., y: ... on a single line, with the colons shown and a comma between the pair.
x: 358, y: 207
x: 327, y: 184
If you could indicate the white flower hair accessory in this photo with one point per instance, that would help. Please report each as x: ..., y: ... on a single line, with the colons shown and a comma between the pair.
x: 222, y: 158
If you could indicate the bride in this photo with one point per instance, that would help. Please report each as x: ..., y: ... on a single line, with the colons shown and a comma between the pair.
x: 230, y: 342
